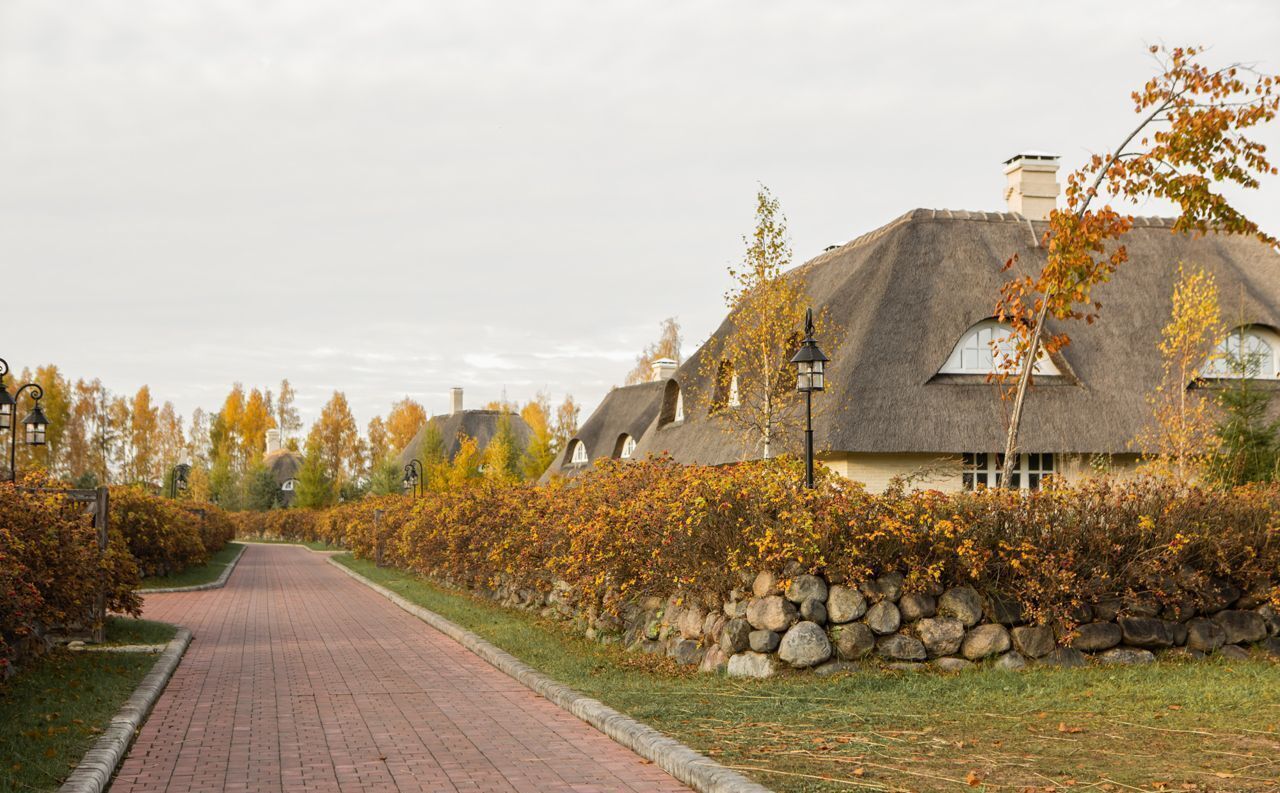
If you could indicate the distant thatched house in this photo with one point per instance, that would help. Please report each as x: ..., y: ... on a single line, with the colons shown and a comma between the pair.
x: 480, y: 425
x: 284, y: 465
x: 907, y: 391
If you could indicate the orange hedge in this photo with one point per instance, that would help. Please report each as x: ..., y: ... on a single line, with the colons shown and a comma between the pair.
x: 654, y: 528
x: 50, y: 570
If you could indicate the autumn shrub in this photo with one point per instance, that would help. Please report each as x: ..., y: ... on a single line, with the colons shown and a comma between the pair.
x: 216, y: 526
x: 51, y: 570
x: 162, y: 535
x: 628, y: 530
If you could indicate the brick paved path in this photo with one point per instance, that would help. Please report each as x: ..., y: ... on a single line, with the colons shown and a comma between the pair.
x: 302, y: 679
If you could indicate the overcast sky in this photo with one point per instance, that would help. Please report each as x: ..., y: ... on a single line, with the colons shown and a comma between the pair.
x: 392, y: 197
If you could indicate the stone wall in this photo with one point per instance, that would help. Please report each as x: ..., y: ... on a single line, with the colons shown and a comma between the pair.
x: 805, y: 623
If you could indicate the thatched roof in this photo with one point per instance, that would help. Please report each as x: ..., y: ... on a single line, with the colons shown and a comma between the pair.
x: 903, y: 296
x: 629, y: 410
x: 283, y: 464
x: 481, y: 425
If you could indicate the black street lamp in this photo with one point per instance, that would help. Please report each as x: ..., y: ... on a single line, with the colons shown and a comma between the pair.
x: 810, y: 377
x: 178, y: 479
x: 35, y: 425
x: 414, y: 481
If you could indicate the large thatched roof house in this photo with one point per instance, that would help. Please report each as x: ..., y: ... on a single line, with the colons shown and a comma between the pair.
x: 284, y: 465
x: 907, y: 390
x: 480, y: 425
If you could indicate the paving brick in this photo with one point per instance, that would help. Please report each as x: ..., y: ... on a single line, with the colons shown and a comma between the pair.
x: 301, y: 679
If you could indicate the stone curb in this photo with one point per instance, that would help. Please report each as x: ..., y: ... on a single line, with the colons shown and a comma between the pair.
x: 218, y: 584
x: 93, y: 773
x: 696, y: 770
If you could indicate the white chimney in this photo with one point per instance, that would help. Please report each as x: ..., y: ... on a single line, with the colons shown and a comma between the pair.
x: 1033, y: 184
x: 664, y: 369
x: 455, y: 395
x: 273, y: 440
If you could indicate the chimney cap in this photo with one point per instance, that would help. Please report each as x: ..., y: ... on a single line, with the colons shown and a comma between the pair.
x: 1032, y: 154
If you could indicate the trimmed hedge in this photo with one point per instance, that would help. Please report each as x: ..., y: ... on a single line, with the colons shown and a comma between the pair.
x: 628, y: 530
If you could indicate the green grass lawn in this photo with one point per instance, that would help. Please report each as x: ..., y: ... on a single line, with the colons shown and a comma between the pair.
x: 1205, y: 726
x: 194, y: 576
x: 53, y: 711
x: 314, y: 545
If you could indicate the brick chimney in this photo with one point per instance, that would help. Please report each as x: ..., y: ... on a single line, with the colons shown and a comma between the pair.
x: 273, y: 440
x: 664, y: 369
x: 455, y: 395
x: 1033, y: 184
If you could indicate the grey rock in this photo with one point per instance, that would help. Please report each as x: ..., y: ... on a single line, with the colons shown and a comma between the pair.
x: 916, y: 606
x: 690, y: 622
x: 1271, y: 617
x: 686, y: 651
x: 715, y: 660
x: 1065, y: 657
x: 766, y: 583
x: 805, y: 645
x: 940, y: 635
x: 952, y: 664
x: 772, y: 613
x: 1141, y: 606
x: 1107, y: 609
x: 837, y: 668
x: 763, y: 641
x: 963, y: 603
x: 853, y: 641
x: 889, y: 586
x: 1242, y: 627
x: 712, y: 624
x: 1097, y: 636
x: 1179, y: 610
x: 898, y: 647
x: 1234, y: 652
x: 1179, y: 632
x: 648, y: 647
x: 813, y: 610
x: 1146, y: 632
x: 735, y: 636
x: 1205, y: 635
x: 1270, y: 646
x: 1127, y: 656
x: 1011, y: 662
x: 985, y: 641
x: 845, y: 604
x: 883, y: 618
x: 806, y: 587
x: 1004, y: 610
x: 1218, y: 595
x: 753, y: 665
x: 1033, y: 641
x: 736, y: 609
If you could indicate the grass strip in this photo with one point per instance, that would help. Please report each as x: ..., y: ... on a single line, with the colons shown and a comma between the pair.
x: 1209, y: 725
x: 53, y: 711
x: 194, y: 576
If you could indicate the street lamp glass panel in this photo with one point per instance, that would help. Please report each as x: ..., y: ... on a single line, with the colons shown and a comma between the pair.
x: 6, y: 410
x: 817, y: 378
x: 804, y: 375
x: 36, y: 428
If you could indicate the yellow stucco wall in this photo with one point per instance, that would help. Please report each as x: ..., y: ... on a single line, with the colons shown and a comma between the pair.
x: 936, y: 472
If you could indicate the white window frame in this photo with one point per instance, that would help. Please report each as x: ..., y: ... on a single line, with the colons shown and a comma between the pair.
x: 984, y: 346
x: 578, y: 453
x: 628, y: 448
x: 1262, y: 345
x: 984, y: 469
x: 679, y: 406
x: 288, y: 485
x: 735, y: 398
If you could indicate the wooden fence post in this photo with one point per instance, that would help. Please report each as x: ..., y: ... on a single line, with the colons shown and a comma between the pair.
x: 381, y: 541
x: 101, y: 512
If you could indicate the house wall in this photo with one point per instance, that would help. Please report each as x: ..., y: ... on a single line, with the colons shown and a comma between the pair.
x: 940, y: 472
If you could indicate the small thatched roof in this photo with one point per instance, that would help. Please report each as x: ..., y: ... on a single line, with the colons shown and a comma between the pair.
x: 481, y: 425
x: 903, y: 295
x: 283, y: 464
x: 626, y: 411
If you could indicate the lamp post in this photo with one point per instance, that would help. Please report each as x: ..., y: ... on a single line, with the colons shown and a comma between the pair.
x: 35, y: 425
x: 413, y: 478
x: 810, y: 377
x: 178, y: 479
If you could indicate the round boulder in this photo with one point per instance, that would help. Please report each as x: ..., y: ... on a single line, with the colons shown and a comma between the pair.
x: 853, y: 641
x: 883, y: 618
x: 897, y: 647
x: 845, y: 604
x: 963, y: 603
x: 805, y: 645
x: 1096, y: 636
x: 984, y: 641
x: 752, y: 665
x: 735, y: 636
x: 763, y: 641
x: 1033, y: 641
x: 940, y: 635
x: 806, y: 587
x: 766, y: 584
x: 814, y: 611
x: 916, y: 606
x: 773, y: 613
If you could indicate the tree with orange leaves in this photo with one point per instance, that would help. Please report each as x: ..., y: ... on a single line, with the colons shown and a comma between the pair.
x: 1192, y: 135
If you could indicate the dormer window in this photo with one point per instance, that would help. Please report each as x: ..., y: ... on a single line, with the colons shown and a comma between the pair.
x: 288, y: 485
x: 1247, y: 351
x: 626, y: 447
x: 735, y: 399
x: 985, y: 347
x: 578, y: 453
x: 679, y: 406
x: 672, y: 405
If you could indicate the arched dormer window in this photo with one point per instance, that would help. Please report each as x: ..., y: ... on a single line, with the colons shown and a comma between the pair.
x: 1247, y: 351
x: 726, y: 394
x: 289, y: 484
x: 625, y: 447
x: 672, y: 404
x: 578, y: 453
x: 984, y: 346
